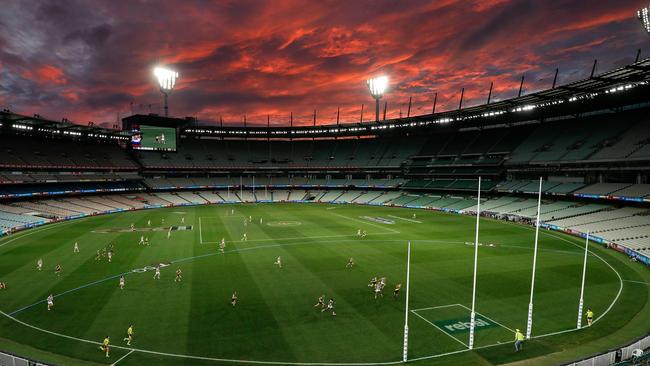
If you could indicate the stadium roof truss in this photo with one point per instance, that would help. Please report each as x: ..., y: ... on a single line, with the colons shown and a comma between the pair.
x: 572, y: 98
x: 15, y: 122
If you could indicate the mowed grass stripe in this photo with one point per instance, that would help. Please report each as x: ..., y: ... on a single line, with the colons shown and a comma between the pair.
x: 196, y: 316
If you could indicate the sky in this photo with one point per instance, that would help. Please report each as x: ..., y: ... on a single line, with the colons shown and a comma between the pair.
x: 92, y: 60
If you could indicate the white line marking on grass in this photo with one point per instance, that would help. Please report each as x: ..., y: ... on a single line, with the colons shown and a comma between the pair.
x: 200, y: 357
x: 639, y: 282
x: 620, y: 279
x: 37, y: 230
x: 298, y: 238
x: 488, y: 318
x: 123, y: 357
x: 366, y: 222
x: 200, y: 232
x: 447, y: 334
x: 436, y: 307
x: 405, y: 219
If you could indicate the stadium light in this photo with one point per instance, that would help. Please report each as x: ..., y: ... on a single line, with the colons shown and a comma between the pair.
x: 377, y: 87
x: 643, y: 17
x: 166, y: 81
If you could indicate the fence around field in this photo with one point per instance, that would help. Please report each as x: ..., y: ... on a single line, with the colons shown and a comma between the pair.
x: 8, y: 359
x: 610, y: 357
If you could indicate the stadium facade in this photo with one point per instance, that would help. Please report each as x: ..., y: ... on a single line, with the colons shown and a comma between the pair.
x: 589, y: 140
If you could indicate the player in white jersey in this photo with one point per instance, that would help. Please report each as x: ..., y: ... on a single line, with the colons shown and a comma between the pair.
x: 222, y: 246
x: 169, y: 233
x: 278, y: 262
x: 76, y: 248
x: 414, y: 216
x: 363, y: 234
x: 233, y: 299
x: 359, y: 232
x: 250, y: 218
x: 162, y: 221
x: 146, y: 240
x: 156, y: 275
x: 141, y: 240
x: 183, y: 220
x: 122, y: 282
x: 39, y: 264
x: 110, y: 256
x: 232, y: 212
x: 350, y: 263
x: 132, y: 227
x: 373, y: 283
x: 261, y: 221
x: 245, y: 222
x: 329, y: 307
x: 57, y: 270
x: 50, y: 302
x: 148, y: 222
x: 244, y: 238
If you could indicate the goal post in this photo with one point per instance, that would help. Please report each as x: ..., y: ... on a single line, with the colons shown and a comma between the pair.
x: 406, y: 312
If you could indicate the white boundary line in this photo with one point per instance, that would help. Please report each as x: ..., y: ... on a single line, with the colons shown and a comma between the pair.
x: 36, y: 230
x: 437, y: 327
x: 405, y: 219
x: 325, y: 364
x: 639, y: 282
x: 123, y: 357
x: 201, y: 357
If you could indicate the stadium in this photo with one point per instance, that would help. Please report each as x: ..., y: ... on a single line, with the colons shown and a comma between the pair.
x: 514, y: 231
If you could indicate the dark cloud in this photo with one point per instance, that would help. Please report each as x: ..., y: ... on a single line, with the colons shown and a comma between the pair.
x: 91, y: 59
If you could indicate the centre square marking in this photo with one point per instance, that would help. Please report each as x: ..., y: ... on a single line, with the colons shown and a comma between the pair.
x: 454, y: 321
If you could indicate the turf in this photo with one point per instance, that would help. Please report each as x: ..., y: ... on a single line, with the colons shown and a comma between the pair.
x: 275, y: 320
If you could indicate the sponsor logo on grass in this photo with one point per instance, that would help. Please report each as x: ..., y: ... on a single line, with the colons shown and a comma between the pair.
x: 284, y: 223
x: 462, y: 325
x: 150, y: 268
x: 379, y: 220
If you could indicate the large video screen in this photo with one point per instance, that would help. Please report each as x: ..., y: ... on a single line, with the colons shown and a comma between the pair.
x: 153, y: 138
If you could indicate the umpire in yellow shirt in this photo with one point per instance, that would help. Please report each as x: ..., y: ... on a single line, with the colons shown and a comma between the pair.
x: 519, y: 340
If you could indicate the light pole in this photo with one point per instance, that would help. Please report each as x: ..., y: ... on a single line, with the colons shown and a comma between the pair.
x: 166, y: 81
x: 644, y: 18
x: 377, y: 87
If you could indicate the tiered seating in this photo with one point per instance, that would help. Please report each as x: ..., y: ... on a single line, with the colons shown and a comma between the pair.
x: 636, y: 190
x: 348, y: 197
x: 192, y: 198
x: 210, y: 197
x: 296, y: 195
x: 330, y: 196
x: 603, y: 189
x: 634, y: 140
x: 246, y: 196
x: 40, y: 208
x: 228, y: 196
x: 24, y: 152
x: 10, y: 220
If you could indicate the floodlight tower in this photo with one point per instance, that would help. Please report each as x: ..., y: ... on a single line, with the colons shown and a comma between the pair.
x: 166, y: 81
x: 643, y: 15
x: 377, y: 87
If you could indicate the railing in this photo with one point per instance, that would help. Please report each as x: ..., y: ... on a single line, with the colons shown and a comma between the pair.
x: 8, y: 359
x: 611, y: 357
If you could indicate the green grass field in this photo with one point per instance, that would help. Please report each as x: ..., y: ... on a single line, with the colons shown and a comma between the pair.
x: 193, y: 323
